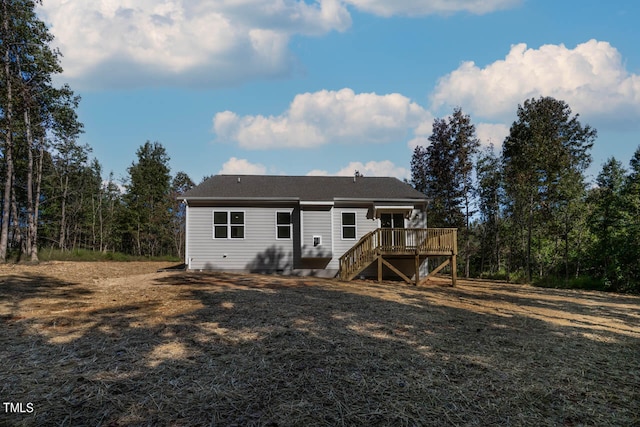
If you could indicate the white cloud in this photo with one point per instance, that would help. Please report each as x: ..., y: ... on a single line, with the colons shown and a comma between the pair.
x: 422, y: 133
x: 492, y: 133
x: 318, y: 172
x: 428, y: 7
x: 421, y: 141
x: 242, y: 167
x: 372, y: 168
x: 193, y: 42
x: 324, y: 117
x: 591, y: 78
x: 128, y: 43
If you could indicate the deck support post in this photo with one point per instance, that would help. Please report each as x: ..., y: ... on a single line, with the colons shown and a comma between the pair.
x: 454, y: 264
x: 417, y: 267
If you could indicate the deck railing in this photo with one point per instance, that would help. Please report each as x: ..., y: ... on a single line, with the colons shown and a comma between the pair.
x: 397, y: 241
x: 424, y: 241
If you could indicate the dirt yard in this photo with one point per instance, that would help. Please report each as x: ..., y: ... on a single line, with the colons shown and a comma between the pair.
x: 120, y: 344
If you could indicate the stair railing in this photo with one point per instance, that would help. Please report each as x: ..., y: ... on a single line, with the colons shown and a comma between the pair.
x: 359, y: 255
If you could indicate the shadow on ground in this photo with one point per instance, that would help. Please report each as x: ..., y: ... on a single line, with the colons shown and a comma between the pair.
x: 223, y: 349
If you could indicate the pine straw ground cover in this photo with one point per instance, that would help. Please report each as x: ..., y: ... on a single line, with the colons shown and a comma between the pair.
x: 119, y: 344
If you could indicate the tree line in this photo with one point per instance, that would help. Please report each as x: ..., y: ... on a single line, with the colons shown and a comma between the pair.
x: 527, y: 212
x: 524, y: 213
x: 52, y: 193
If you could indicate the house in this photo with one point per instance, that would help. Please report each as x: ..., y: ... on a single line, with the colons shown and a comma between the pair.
x: 309, y: 225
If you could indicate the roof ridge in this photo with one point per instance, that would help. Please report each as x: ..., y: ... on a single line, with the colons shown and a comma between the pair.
x: 303, y: 187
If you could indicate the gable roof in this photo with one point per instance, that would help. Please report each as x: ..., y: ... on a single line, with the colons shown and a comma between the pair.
x: 303, y: 188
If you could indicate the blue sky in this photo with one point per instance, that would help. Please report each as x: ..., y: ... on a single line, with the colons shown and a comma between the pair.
x: 329, y: 86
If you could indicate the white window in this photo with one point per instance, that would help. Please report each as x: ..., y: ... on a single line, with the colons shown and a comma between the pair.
x: 349, y: 225
x: 283, y: 225
x: 228, y: 225
x: 317, y: 241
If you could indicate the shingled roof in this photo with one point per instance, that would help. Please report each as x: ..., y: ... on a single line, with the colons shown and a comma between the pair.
x: 303, y: 188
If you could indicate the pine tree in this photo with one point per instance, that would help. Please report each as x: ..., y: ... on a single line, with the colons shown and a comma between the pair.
x: 607, y: 222
x: 148, y: 201
x: 444, y: 172
x: 544, y: 159
x: 631, y: 192
x: 489, y: 192
x: 28, y: 104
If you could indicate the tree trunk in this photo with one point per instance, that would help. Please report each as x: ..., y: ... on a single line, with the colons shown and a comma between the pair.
x: 31, y: 221
x: 63, y: 214
x: 497, y: 244
x: 36, y: 208
x: 6, y: 205
x: 8, y: 144
x: 566, y: 249
x: 94, y: 214
x: 17, y: 232
x: 484, y: 248
x: 529, y: 238
x: 467, y: 248
x: 100, y: 220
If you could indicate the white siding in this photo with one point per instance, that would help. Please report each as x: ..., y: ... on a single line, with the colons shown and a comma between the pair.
x: 258, y: 251
x: 364, y: 224
x: 261, y: 251
x: 316, y: 222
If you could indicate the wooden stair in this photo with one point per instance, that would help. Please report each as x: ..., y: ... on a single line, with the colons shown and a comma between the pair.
x: 359, y: 256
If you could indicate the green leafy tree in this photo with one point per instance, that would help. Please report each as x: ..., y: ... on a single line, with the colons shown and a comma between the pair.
x: 419, y: 169
x: 110, y: 204
x: 444, y: 172
x: 437, y: 177
x: 623, y: 272
x: 36, y: 63
x: 607, y: 222
x: 544, y: 158
x: 632, y: 202
x: 489, y: 195
x: 148, y: 201
x: 70, y: 162
x: 8, y: 38
x: 28, y: 105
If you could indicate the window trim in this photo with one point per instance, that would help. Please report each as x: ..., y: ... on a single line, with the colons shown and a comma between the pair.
x: 290, y: 225
x: 393, y: 223
x: 355, y: 225
x: 224, y: 225
x: 228, y: 225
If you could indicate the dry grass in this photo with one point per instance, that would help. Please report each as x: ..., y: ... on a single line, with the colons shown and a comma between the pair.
x: 117, y: 344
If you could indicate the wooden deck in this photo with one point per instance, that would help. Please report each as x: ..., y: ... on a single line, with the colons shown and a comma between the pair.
x: 387, y: 244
